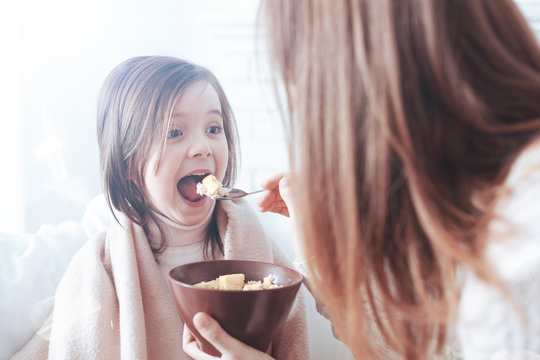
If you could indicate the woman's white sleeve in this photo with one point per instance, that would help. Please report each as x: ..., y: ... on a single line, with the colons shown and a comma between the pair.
x: 489, y: 326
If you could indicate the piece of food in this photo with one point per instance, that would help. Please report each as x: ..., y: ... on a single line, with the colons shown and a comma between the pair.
x: 267, y: 283
x: 212, y: 284
x: 237, y: 282
x: 211, y: 187
x: 231, y: 282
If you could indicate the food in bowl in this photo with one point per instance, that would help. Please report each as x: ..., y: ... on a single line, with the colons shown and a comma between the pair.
x: 211, y: 187
x: 253, y: 317
x: 238, y: 282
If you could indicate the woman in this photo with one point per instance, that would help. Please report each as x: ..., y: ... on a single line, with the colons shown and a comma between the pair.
x: 414, y: 130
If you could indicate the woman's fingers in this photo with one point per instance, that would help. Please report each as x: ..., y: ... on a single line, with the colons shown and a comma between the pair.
x: 272, y: 201
x: 191, y: 347
x: 212, y: 331
x: 273, y: 181
x: 268, y: 199
x: 275, y: 199
x: 229, y: 347
x: 285, y: 190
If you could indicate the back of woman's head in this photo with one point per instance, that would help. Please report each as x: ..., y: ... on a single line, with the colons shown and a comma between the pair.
x: 134, y: 112
x: 406, y: 115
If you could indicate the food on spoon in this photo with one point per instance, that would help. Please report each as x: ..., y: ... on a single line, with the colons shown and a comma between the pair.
x: 211, y: 187
x: 237, y: 282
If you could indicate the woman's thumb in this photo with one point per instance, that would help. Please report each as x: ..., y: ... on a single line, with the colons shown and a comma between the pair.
x: 285, y: 191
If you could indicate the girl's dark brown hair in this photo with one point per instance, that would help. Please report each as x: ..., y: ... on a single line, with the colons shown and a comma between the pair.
x: 405, y: 117
x: 134, y: 112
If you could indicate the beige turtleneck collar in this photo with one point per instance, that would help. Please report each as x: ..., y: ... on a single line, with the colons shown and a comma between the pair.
x: 184, y: 242
x: 181, y: 235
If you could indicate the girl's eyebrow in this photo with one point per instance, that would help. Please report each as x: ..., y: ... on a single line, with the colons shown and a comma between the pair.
x: 217, y: 112
x: 210, y: 112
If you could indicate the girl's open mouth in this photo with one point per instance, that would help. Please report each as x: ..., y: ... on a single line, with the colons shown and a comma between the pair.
x: 187, y: 187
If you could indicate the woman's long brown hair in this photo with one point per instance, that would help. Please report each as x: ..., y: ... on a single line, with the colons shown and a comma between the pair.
x: 406, y: 116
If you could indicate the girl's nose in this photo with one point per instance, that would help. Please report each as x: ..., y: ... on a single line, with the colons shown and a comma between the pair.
x: 199, y: 147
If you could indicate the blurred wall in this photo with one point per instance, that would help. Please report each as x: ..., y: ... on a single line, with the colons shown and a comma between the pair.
x: 58, y: 55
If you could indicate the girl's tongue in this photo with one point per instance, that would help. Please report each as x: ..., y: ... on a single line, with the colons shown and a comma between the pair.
x: 187, y: 187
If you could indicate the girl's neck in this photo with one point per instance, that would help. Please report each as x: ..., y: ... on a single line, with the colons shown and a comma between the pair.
x: 179, y: 234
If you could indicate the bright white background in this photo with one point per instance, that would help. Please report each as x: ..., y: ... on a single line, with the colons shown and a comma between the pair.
x: 55, y: 58
x: 55, y: 55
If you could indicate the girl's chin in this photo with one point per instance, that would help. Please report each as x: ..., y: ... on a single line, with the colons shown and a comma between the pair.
x: 189, y: 212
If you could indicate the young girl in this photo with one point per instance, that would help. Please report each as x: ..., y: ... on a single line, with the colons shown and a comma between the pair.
x: 163, y: 124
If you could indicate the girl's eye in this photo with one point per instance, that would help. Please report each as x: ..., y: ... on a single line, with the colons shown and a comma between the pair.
x: 214, y: 129
x: 174, y: 134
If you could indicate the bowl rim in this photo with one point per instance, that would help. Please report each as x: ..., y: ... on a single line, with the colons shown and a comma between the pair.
x: 191, y: 286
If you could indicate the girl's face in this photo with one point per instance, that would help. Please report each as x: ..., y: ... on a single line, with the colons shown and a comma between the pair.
x: 195, y: 147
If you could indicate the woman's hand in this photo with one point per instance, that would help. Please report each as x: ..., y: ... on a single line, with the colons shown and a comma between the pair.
x: 229, y: 347
x: 278, y: 197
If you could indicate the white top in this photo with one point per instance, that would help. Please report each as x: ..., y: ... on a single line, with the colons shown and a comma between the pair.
x: 488, y: 326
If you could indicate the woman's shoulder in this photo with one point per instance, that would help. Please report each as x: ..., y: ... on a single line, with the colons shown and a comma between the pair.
x: 522, y: 187
x: 526, y: 165
x: 515, y: 231
x: 488, y: 323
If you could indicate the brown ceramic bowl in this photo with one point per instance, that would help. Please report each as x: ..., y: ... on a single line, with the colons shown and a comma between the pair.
x: 252, y: 317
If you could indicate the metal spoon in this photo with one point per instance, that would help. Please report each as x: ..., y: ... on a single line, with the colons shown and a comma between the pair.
x: 237, y: 193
